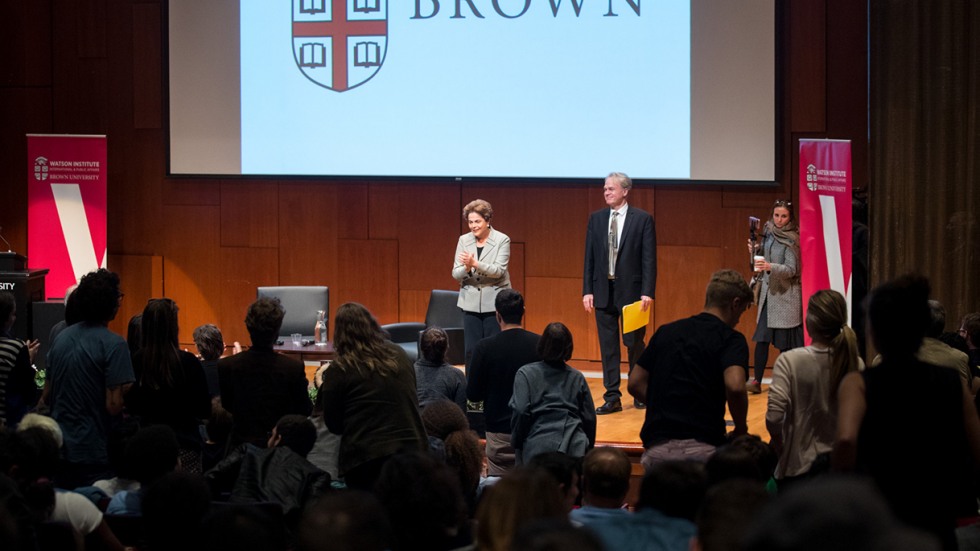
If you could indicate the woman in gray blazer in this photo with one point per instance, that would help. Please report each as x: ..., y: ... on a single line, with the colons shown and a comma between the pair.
x: 780, y: 315
x: 481, y: 270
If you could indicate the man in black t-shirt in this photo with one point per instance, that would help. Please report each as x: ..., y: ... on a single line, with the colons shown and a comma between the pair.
x: 689, y: 370
x: 490, y: 376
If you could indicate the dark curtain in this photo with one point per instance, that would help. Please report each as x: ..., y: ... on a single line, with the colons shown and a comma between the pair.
x: 925, y: 153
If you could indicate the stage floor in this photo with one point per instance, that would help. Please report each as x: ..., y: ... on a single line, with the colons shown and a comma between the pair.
x: 623, y: 428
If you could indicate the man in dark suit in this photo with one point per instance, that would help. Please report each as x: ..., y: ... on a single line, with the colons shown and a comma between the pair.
x: 620, y: 269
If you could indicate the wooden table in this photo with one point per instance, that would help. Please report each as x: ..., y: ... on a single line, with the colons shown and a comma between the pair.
x: 309, y: 353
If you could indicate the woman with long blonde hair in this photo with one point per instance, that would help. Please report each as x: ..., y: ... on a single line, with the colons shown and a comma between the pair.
x: 802, y: 412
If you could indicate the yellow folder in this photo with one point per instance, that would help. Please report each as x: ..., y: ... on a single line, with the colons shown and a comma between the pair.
x: 634, y: 317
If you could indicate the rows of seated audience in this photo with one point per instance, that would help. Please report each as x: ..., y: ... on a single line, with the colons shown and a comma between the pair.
x: 136, y: 443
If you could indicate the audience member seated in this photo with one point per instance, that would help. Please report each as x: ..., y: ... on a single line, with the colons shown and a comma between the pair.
x: 369, y: 397
x: 605, y: 481
x: 150, y: 453
x: 834, y: 513
x: 31, y: 459
x: 210, y: 346
x: 174, y: 509
x: 670, y: 496
x: 551, y: 406
x: 170, y: 386
x: 464, y: 453
x: 521, y: 497
x: 726, y: 513
x: 936, y: 352
x: 970, y: 330
x: 424, y: 503
x: 434, y: 376
x: 746, y: 457
x: 89, y: 369
x: 567, y: 473
x: 279, y: 473
x: 259, y: 385
x: 556, y: 535
x: 887, y: 410
x: 18, y: 393
x: 243, y: 528
x: 802, y: 412
x: 346, y: 521
x: 675, y: 489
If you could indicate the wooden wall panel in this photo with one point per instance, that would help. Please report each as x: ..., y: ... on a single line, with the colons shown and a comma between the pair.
x: 242, y: 270
x: 140, y: 279
x: 683, y: 274
x: 686, y: 218
x: 136, y: 219
x: 412, y: 305
x: 549, y: 299
x: 368, y: 276
x: 385, y: 208
x: 806, y: 77
x: 426, y: 221
x: 847, y: 82
x: 90, y: 22
x: 23, y: 111
x: 308, y: 252
x: 147, y: 66
x: 188, y: 242
x: 250, y: 214
x: 192, y: 191
x: 556, y: 223
x: 352, y: 211
x: 516, y: 266
x: 25, y: 40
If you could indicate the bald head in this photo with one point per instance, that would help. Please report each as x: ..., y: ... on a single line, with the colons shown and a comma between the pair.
x: 606, y: 477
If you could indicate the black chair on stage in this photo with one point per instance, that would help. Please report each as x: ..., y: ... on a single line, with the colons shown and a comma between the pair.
x: 301, y: 304
x: 442, y: 312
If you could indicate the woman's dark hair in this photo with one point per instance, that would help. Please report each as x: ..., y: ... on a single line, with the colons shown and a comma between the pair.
x: 555, y: 346
x: 434, y: 344
x: 423, y: 501
x: 444, y: 419
x: 34, y: 452
x: 161, y: 348
x: 134, y: 334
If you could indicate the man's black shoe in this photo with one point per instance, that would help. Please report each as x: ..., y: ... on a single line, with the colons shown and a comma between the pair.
x: 609, y: 407
x: 639, y: 405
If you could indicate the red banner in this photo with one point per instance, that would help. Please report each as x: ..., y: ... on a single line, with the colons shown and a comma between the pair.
x: 66, y: 194
x: 825, y: 217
